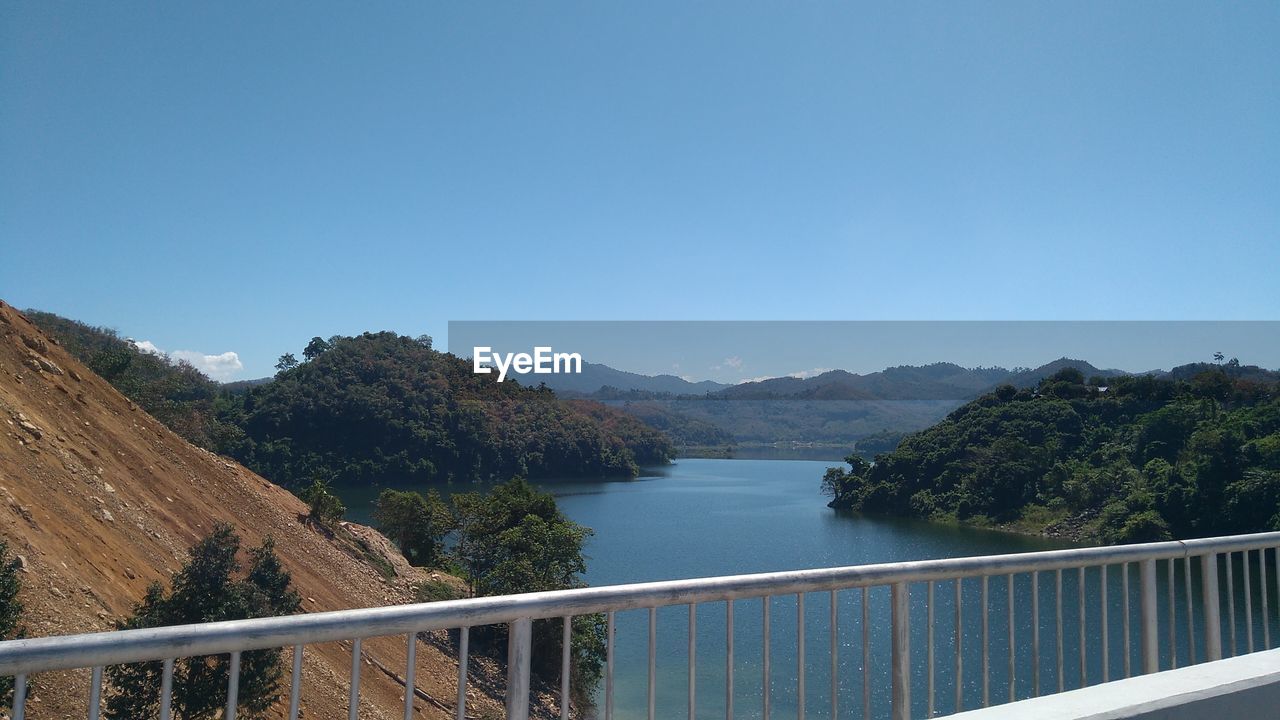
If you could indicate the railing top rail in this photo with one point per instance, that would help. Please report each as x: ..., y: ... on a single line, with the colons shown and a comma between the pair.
x: 127, y: 646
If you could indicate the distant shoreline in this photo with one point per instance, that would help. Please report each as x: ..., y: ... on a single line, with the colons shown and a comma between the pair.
x: 768, y: 451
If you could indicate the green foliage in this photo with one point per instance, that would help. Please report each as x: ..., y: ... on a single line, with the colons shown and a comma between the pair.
x: 838, y: 483
x: 205, y: 590
x: 10, y: 609
x: 387, y: 408
x: 314, y: 348
x: 513, y: 540
x: 880, y: 442
x: 1148, y: 458
x: 646, y: 446
x: 417, y: 523
x: 326, y: 507
x: 683, y: 431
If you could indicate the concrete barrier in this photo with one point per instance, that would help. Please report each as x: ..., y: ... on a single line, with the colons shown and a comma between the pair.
x: 1241, y: 687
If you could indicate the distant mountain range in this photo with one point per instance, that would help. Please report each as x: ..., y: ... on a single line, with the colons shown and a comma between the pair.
x: 239, y: 387
x: 595, y: 376
x: 938, y: 381
x: 836, y: 407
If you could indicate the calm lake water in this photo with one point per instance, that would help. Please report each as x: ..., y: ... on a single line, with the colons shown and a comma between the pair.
x: 704, y: 517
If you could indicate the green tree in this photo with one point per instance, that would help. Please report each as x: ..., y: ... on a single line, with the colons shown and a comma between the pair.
x: 382, y: 408
x: 286, y: 362
x: 205, y: 590
x: 326, y: 507
x: 417, y: 523
x: 1190, y: 455
x: 10, y: 609
x: 514, y: 540
x: 840, y: 484
x: 314, y: 348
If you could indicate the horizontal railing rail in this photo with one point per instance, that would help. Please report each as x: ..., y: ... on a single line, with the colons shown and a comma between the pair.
x: 21, y: 658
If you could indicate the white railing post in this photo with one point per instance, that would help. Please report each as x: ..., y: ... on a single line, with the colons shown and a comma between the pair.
x: 233, y: 686
x: 464, y: 640
x: 693, y: 660
x: 1150, y: 628
x: 353, y: 704
x: 295, y: 686
x: 800, y: 661
x: 566, y: 669
x: 1212, y: 615
x: 901, y: 652
x: 20, y: 697
x: 519, y: 656
x: 95, y: 693
x: 410, y: 671
x: 166, y: 692
x: 728, y: 660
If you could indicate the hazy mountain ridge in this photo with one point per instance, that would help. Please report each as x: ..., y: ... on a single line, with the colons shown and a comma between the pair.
x: 840, y: 407
x: 595, y: 376
x: 237, y: 387
x: 936, y: 381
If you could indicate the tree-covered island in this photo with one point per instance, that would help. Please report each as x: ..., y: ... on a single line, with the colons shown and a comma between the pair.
x: 1120, y: 459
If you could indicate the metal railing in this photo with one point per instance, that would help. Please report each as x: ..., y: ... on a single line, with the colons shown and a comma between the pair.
x: 1200, y: 563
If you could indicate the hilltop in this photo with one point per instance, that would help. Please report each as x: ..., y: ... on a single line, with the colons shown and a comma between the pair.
x: 382, y: 407
x: 377, y: 407
x: 595, y: 376
x: 1121, y: 459
x: 100, y: 499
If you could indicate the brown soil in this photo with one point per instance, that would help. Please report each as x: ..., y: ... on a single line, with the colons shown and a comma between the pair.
x: 99, y: 499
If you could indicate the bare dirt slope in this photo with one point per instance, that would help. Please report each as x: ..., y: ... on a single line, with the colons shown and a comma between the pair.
x: 99, y: 500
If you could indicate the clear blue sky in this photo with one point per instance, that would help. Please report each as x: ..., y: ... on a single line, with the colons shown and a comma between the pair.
x: 237, y: 177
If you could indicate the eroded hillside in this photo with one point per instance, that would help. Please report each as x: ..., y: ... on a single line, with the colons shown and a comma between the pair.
x: 99, y: 499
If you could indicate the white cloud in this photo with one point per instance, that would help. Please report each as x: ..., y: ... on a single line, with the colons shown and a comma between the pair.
x: 218, y: 367
x: 800, y: 374
x: 221, y: 367
x: 815, y: 372
x: 734, y: 363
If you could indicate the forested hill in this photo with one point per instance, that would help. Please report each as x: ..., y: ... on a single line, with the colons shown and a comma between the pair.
x: 378, y: 407
x: 385, y: 407
x: 1127, y: 459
